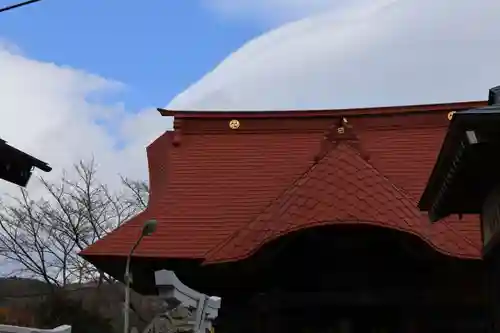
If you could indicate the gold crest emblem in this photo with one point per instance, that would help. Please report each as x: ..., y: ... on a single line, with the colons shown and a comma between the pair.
x: 234, y: 124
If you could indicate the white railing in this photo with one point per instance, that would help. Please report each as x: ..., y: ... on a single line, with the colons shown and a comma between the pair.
x: 19, y: 329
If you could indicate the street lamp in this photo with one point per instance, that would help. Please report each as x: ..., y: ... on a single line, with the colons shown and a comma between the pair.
x: 148, y: 228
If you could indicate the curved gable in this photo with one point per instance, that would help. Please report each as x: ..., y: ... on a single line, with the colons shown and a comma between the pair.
x: 342, y: 188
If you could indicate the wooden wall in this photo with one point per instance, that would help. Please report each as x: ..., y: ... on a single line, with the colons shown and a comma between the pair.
x: 358, y: 280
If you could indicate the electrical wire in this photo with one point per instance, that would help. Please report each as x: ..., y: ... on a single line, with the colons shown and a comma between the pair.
x: 17, y: 5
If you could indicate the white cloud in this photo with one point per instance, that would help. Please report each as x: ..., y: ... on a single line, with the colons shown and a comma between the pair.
x: 380, y: 52
x: 53, y: 113
x: 354, y: 54
x: 272, y: 12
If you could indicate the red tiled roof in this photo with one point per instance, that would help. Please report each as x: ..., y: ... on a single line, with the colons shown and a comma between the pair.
x: 341, y: 188
x: 215, y: 184
x: 210, y: 184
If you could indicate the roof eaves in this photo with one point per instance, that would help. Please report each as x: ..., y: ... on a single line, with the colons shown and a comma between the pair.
x: 44, y: 166
x: 16, y: 166
x: 372, y: 111
x: 465, y: 170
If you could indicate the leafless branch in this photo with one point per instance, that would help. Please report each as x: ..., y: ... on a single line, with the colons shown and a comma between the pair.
x: 41, y: 238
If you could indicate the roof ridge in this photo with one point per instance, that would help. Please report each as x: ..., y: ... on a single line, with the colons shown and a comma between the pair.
x: 404, y: 207
x: 445, y: 222
x: 282, y: 113
x: 270, y: 204
x: 290, y: 188
x: 409, y: 197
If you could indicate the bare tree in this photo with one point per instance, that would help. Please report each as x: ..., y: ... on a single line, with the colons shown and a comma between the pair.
x: 41, y: 238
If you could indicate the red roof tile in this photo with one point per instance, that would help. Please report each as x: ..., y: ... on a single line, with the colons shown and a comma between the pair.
x: 208, y: 182
x: 341, y: 188
x: 215, y: 184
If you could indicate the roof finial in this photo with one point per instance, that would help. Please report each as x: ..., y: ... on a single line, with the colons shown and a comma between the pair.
x: 340, y: 131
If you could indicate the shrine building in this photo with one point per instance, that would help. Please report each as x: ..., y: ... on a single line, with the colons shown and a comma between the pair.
x: 307, y: 221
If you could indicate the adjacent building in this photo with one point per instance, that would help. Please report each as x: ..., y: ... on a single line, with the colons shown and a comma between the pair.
x: 465, y: 181
x: 16, y: 166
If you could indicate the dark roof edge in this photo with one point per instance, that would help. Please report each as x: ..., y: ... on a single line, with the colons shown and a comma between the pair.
x: 439, y: 171
x: 388, y: 110
x: 32, y: 160
x: 451, y: 153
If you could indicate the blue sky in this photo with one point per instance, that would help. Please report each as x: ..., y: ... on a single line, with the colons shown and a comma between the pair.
x: 161, y: 48
x: 156, y: 47
x: 62, y: 88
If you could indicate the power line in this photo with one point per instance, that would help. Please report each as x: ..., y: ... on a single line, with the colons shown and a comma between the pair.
x: 17, y: 5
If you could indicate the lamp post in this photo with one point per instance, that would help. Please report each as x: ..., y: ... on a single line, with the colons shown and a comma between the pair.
x: 148, y: 228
